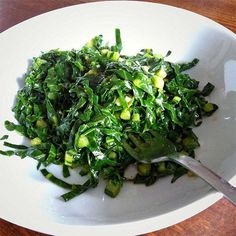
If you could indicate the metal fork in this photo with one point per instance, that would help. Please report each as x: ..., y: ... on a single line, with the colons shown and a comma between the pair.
x: 158, y: 149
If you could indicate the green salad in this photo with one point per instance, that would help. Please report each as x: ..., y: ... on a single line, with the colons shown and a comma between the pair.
x: 77, y: 106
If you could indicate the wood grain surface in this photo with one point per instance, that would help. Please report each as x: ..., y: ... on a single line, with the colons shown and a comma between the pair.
x: 217, y: 220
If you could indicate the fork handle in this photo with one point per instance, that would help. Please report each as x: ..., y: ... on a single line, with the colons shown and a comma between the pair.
x: 208, y: 175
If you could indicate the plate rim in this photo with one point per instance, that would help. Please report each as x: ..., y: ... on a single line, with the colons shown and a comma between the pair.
x: 140, y: 226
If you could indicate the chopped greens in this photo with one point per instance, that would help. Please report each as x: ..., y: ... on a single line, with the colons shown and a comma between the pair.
x: 77, y: 105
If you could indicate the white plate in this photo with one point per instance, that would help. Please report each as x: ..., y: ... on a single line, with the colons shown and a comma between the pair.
x: 29, y: 200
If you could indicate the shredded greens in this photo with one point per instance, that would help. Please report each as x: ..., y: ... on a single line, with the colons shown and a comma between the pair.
x: 77, y: 105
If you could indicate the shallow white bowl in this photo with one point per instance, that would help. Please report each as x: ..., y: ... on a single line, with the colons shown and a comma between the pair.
x: 29, y: 200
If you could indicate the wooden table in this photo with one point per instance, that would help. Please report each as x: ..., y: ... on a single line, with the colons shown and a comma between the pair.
x: 217, y: 220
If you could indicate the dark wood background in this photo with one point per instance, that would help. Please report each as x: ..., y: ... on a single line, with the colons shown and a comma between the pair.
x: 217, y: 220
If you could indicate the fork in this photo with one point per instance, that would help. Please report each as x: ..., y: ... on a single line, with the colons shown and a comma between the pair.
x: 159, y: 149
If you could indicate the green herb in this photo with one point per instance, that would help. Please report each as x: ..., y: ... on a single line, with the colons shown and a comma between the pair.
x: 208, y: 88
x: 55, y: 180
x: 4, y: 137
x: 77, y: 105
x: 14, y: 145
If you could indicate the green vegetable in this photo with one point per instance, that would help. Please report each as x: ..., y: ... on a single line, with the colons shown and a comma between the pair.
x: 55, y: 180
x: 65, y: 171
x: 113, y: 188
x: 35, y: 141
x: 144, y: 169
x: 4, y: 137
x: 208, y: 88
x: 14, y: 145
x: 125, y: 114
x: 158, y: 82
x: 79, y: 189
x: 135, y: 117
x: 161, y: 167
x: 82, y: 141
x: 208, y: 107
x: 76, y: 106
